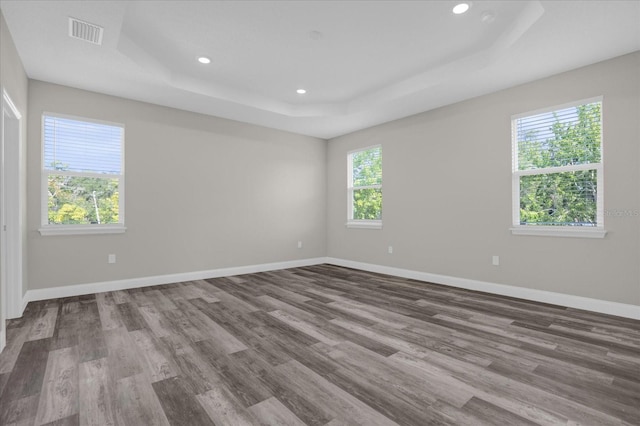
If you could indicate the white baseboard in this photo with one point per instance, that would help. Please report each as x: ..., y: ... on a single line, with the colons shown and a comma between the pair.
x: 578, y: 302
x: 99, y: 287
x: 3, y: 339
x: 566, y: 300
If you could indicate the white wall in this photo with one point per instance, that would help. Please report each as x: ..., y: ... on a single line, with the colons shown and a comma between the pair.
x: 202, y: 193
x: 13, y: 80
x: 447, y: 191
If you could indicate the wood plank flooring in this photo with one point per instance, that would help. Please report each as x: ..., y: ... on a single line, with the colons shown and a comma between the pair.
x: 319, y: 345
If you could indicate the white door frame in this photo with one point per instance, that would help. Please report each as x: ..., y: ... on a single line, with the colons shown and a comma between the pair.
x: 10, y: 213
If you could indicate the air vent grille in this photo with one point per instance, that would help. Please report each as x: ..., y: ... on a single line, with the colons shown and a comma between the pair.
x: 85, y: 31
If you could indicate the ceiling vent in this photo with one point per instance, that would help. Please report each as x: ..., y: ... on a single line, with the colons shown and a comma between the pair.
x: 85, y: 31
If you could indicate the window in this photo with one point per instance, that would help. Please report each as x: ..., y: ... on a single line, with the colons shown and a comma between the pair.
x: 364, y: 188
x: 82, y: 176
x: 557, y: 171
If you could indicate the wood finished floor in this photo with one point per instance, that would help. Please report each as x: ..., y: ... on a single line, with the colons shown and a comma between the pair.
x: 320, y: 345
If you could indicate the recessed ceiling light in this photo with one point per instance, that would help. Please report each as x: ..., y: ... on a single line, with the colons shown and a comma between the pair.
x: 301, y: 91
x: 460, y: 8
x: 204, y: 60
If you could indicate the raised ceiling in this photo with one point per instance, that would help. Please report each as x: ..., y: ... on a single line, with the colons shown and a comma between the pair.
x: 362, y: 62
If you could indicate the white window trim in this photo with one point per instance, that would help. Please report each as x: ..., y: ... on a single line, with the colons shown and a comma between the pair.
x: 557, y: 231
x: 364, y: 224
x: 359, y: 223
x: 112, y: 228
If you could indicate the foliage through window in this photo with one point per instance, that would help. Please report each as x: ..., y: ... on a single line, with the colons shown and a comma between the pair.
x: 557, y: 167
x: 365, y: 185
x: 82, y: 171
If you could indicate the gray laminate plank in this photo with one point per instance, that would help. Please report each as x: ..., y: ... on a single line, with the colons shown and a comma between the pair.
x: 44, y: 324
x: 59, y: 394
x: 4, y: 378
x: 15, y: 339
x: 137, y: 403
x: 285, y: 294
x: 269, y: 304
x: 494, y: 415
x: 154, y: 356
x: 305, y: 327
x: 73, y: 420
x: 120, y: 296
x: 160, y: 301
x: 20, y: 411
x: 235, y: 304
x: 225, y: 409
x: 332, y: 400
x: 197, y: 372
x: 180, y: 323
x: 456, y: 390
x: 524, y: 395
x: 109, y: 312
x: 622, y: 407
x: 385, y: 339
x: 131, y: 316
x: 66, y: 333
x: 296, y: 403
x: 155, y: 320
x: 96, y: 393
x: 124, y: 359
x: 180, y: 406
x: 91, y: 344
x: 192, y: 291
x: 213, y: 330
x: 234, y: 376
x: 139, y: 297
x: 282, y: 332
x: 383, y: 374
x: 271, y: 412
x: 28, y: 372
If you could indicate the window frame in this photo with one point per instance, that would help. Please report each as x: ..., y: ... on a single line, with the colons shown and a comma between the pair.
x: 47, y: 229
x: 597, y: 231
x: 360, y: 223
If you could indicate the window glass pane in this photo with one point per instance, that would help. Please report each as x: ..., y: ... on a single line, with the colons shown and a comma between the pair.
x: 82, y: 200
x: 367, y: 167
x: 367, y: 204
x: 560, y: 138
x: 567, y: 199
x: 81, y: 146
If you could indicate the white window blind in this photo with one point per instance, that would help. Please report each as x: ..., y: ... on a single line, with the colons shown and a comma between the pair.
x: 83, y: 181
x: 82, y: 146
x: 557, y: 167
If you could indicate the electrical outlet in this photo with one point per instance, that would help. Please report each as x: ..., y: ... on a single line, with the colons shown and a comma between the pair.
x: 495, y: 261
x: 390, y: 249
x: 112, y: 258
x: 299, y: 244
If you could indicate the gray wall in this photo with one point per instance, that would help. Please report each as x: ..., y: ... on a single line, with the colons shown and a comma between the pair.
x: 201, y: 193
x: 14, y: 80
x: 205, y: 193
x: 447, y: 191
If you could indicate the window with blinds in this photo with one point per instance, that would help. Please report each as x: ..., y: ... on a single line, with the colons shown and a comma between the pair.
x: 82, y: 177
x: 557, y: 166
x: 364, y: 187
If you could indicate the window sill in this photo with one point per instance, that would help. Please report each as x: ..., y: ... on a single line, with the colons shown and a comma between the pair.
x: 364, y: 224
x: 551, y: 231
x: 82, y: 229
